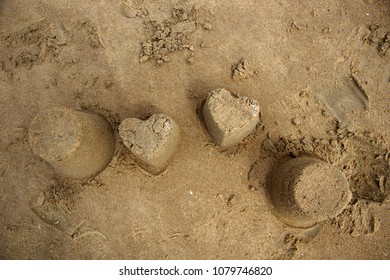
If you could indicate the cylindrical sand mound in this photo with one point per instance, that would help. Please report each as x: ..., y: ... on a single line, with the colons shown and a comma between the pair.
x: 77, y: 144
x: 305, y: 191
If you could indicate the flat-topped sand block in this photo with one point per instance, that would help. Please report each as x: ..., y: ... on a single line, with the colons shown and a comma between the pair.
x: 152, y: 142
x: 229, y: 119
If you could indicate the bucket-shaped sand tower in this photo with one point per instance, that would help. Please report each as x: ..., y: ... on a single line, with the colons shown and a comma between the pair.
x: 77, y: 144
x: 305, y: 191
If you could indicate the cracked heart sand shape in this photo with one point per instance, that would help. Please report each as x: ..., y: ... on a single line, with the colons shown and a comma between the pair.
x: 229, y: 119
x: 152, y: 142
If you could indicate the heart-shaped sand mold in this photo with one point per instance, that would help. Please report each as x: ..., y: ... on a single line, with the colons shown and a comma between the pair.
x: 152, y: 142
x: 228, y: 118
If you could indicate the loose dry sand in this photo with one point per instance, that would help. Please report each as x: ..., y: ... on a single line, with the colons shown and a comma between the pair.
x: 320, y: 71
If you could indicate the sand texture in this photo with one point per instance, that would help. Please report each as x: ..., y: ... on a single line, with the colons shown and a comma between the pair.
x: 318, y: 72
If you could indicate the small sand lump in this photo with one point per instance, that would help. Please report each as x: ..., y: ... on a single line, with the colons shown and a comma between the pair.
x: 242, y: 70
x: 152, y: 142
x: 229, y: 119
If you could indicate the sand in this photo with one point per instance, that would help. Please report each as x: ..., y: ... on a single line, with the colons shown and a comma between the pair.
x: 229, y: 119
x: 77, y: 144
x: 152, y: 142
x: 305, y: 191
x: 319, y: 70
